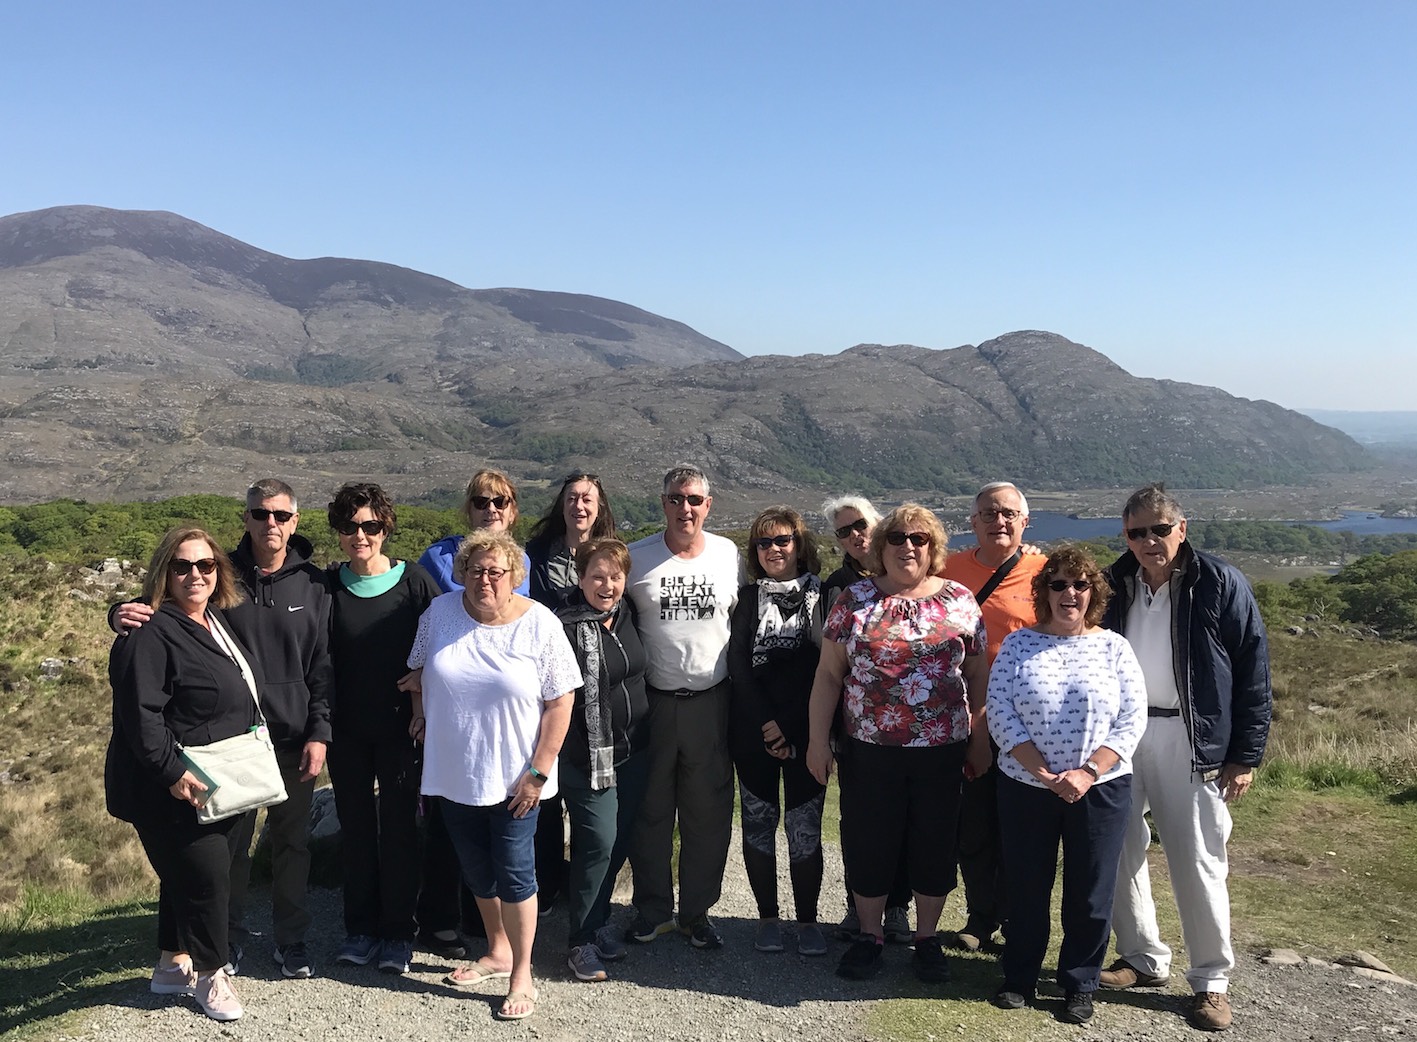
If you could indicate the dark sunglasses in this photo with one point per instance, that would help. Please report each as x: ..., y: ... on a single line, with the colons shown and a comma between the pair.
x: 916, y: 538
x: 372, y: 527
x: 859, y: 525
x: 767, y: 541
x: 181, y: 566
x: 262, y: 514
x: 1161, y: 531
x: 678, y: 500
x: 483, y: 502
x: 1059, y: 585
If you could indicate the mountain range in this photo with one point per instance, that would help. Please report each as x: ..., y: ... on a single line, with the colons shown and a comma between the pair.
x: 143, y: 355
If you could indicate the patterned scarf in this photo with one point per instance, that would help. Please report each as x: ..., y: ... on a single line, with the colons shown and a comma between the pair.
x: 786, y: 614
x: 587, y: 632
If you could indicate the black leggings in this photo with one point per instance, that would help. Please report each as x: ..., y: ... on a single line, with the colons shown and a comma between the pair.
x: 760, y: 777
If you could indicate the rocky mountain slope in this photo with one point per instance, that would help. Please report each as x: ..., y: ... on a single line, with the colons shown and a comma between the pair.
x: 142, y: 354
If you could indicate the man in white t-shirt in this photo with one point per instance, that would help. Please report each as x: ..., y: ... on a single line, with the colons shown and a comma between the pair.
x: 684, y: 584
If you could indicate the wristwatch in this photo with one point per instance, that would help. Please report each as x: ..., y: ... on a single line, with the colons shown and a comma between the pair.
x: 1091, y: 768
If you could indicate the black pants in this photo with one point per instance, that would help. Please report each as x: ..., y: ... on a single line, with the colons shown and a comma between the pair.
x: 552, y: 868
x: 761, y: 777
x: 981, y: 862
x: 378, y: 834
x: 193, y: 866
x: 1033, y: 821
x: 444, y: 901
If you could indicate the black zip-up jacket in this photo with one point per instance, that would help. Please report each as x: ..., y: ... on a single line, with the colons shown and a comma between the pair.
x: 623, y: 687
x: 172, y: 684
x: 1220, y: 654
x: 781, y: 688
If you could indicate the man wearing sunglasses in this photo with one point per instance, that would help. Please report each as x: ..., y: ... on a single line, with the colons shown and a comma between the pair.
x: 684, y: 584
x: 1196, y: 630
x: 285, y: 622
x: 999, y: 571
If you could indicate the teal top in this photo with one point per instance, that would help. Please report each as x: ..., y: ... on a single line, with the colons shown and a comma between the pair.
x: 369, y: 585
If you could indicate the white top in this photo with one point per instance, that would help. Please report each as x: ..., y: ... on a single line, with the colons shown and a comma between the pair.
x: 1149, y: 630
x: 1068, y: 696
x: 684, y: 607
x: 484, y: 689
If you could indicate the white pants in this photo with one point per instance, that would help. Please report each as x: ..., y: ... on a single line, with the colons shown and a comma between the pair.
x: 1193, y: 824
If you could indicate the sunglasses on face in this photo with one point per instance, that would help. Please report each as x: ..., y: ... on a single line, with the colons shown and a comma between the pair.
x: 678, y: 500
x: 1161, y: 531
x: 1006, y: 514
x: 373, y: 527
x: 916, y: 538
x: 483, y: 502
x: 1059, y: 585
x: 768, y: 541
x: 262, y: 514
x: 179, y: 566
x: 859, y: 525
x: 473, y: 575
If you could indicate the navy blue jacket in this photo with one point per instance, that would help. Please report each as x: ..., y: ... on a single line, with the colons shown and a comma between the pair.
x: 1220, y: 655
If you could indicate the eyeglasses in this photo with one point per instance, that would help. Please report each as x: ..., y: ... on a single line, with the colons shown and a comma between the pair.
x: 916, y: 538
x: 262, y: 514
x: 473, y: 575
x: 180, y: 566
x: 373, y: 527
x: 1059, y: 585
x: 1161, y: 531
x: 859, y: 525
x: 483, y: 502
x: 678, y: 500
x: 768, y: 541
x: 1006, y: 514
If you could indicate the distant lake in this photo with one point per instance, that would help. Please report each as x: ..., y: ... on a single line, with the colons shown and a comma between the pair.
x: 1046, y: 527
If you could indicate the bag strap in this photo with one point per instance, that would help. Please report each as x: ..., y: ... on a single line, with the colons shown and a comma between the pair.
x: 1000, y: 574
x: 228, y: 645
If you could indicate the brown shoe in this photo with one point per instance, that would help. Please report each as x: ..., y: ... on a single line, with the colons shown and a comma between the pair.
x: 1210, y: 1011
x: 1122, y: 974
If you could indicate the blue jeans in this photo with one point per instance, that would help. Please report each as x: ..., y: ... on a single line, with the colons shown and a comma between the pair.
x: 497, y: 851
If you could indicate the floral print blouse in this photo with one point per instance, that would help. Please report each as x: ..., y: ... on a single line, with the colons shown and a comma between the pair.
x: 903, y: 683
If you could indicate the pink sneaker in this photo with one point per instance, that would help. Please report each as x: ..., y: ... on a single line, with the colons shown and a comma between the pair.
x: 217, y: 997
x: 174, y: 980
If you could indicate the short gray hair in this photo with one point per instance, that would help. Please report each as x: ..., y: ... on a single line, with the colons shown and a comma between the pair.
x: 683, y: 474
x: 860, y: 504
x: 994, y: 486
x: 269, y: 488
x: 1156, y: 499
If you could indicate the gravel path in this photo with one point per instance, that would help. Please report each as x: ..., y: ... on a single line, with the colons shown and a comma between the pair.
x: 671, y: 991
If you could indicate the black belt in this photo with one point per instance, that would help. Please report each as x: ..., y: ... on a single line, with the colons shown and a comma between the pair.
x: 686, y: 692
x: 1158, y: 711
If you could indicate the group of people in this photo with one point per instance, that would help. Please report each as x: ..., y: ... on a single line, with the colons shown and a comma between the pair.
x: 982, y: 709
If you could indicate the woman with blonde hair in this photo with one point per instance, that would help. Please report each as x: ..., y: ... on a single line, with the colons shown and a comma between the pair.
x: 182, y: 680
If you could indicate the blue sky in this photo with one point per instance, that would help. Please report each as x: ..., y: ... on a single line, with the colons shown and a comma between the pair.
x: 1224, y: 193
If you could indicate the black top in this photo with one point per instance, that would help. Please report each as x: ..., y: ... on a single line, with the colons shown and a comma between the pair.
x: 370, y: 638
x: 172, y: 683
x: 552, y: 577
x: 848, y: 574
x: 623, y: 660
x: 781, y: 687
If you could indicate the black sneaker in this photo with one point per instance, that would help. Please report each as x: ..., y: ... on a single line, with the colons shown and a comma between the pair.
x: 294, y: 961
x: 1077, y: 1007
x: 863, y: 959
x: 929, y: 961
x: 702, y: 933
x: 1006, y: 999
x: 446, y: 944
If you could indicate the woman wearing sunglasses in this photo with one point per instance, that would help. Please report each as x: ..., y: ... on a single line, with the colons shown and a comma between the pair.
x: 774, y: 641
x: 373, y: 759
x: 1067, y: 707
x: 489, y: 504
x: 903, y: 652
x: 182, y: 679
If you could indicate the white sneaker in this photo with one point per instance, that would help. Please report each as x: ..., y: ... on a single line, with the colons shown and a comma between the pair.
x: 217, y: 997
x: 174, y: 980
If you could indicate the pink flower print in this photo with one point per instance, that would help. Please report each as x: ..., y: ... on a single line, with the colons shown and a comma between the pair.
x: 932, y: 667
x: 915, y: 689
x: 891, y: 718
x: 855, y: 701
x: 934, y: 732
x: 861, y: 670
x: 866, y: 729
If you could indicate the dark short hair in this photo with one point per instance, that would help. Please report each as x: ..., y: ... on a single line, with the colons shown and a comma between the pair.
x: 1156, y: 499
x: 489, y: 482
x: 1071, y: 560
x: 226, y: 594
x: 909, y: 517
x: 783, y: 517
x: 552, y: 525
x: 353, y: 497
x: 269, y: 488
x: 610, y: 547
